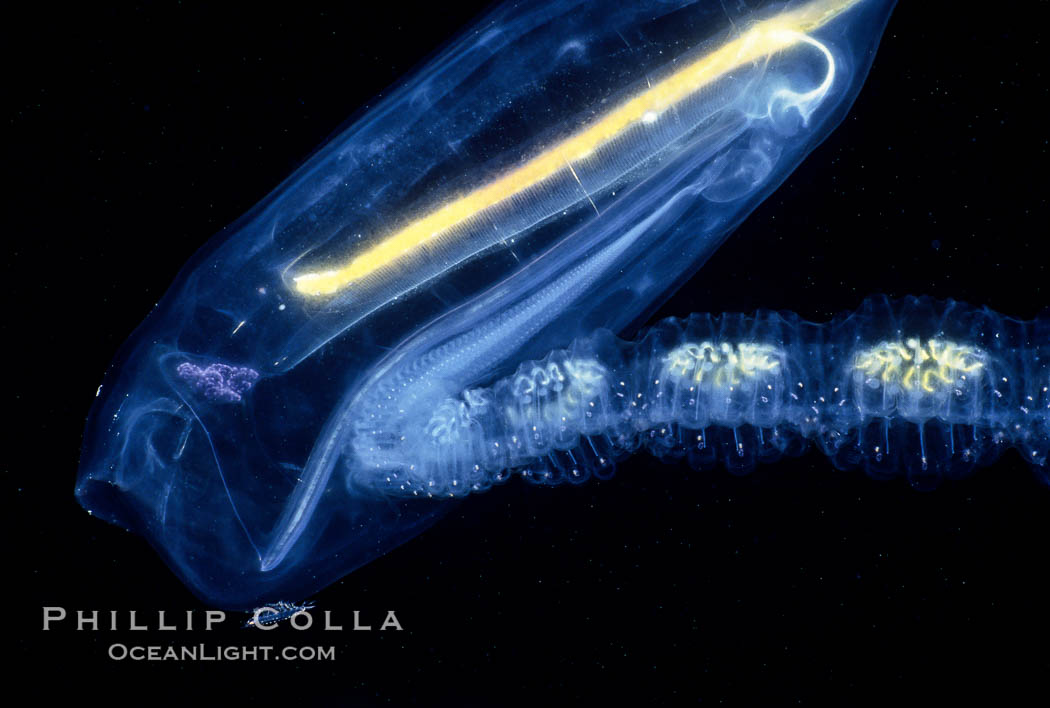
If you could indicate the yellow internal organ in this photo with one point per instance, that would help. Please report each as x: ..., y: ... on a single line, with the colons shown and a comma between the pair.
x: 721, y: 365
x: 930, y: 365
x: 763, y: 39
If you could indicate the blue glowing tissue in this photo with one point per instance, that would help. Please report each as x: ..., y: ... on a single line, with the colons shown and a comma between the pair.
x: 430, y: 305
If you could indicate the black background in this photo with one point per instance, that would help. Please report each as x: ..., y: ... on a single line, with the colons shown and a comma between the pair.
x: 139, y: 132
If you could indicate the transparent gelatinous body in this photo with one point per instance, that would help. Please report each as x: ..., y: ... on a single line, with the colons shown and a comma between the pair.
x: 560, y: 168
x: 914, y: 388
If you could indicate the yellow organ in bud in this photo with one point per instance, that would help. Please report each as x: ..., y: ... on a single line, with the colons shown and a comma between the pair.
x: 708, y: 364
x: 913, y: 364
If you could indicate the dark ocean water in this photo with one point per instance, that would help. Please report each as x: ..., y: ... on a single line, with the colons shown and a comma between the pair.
x: 140, y: 132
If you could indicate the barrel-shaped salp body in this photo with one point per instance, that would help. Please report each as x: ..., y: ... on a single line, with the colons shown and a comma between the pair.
x: 561, y: 167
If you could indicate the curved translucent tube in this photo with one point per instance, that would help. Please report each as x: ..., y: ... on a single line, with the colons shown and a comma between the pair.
x: 559, y: 169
